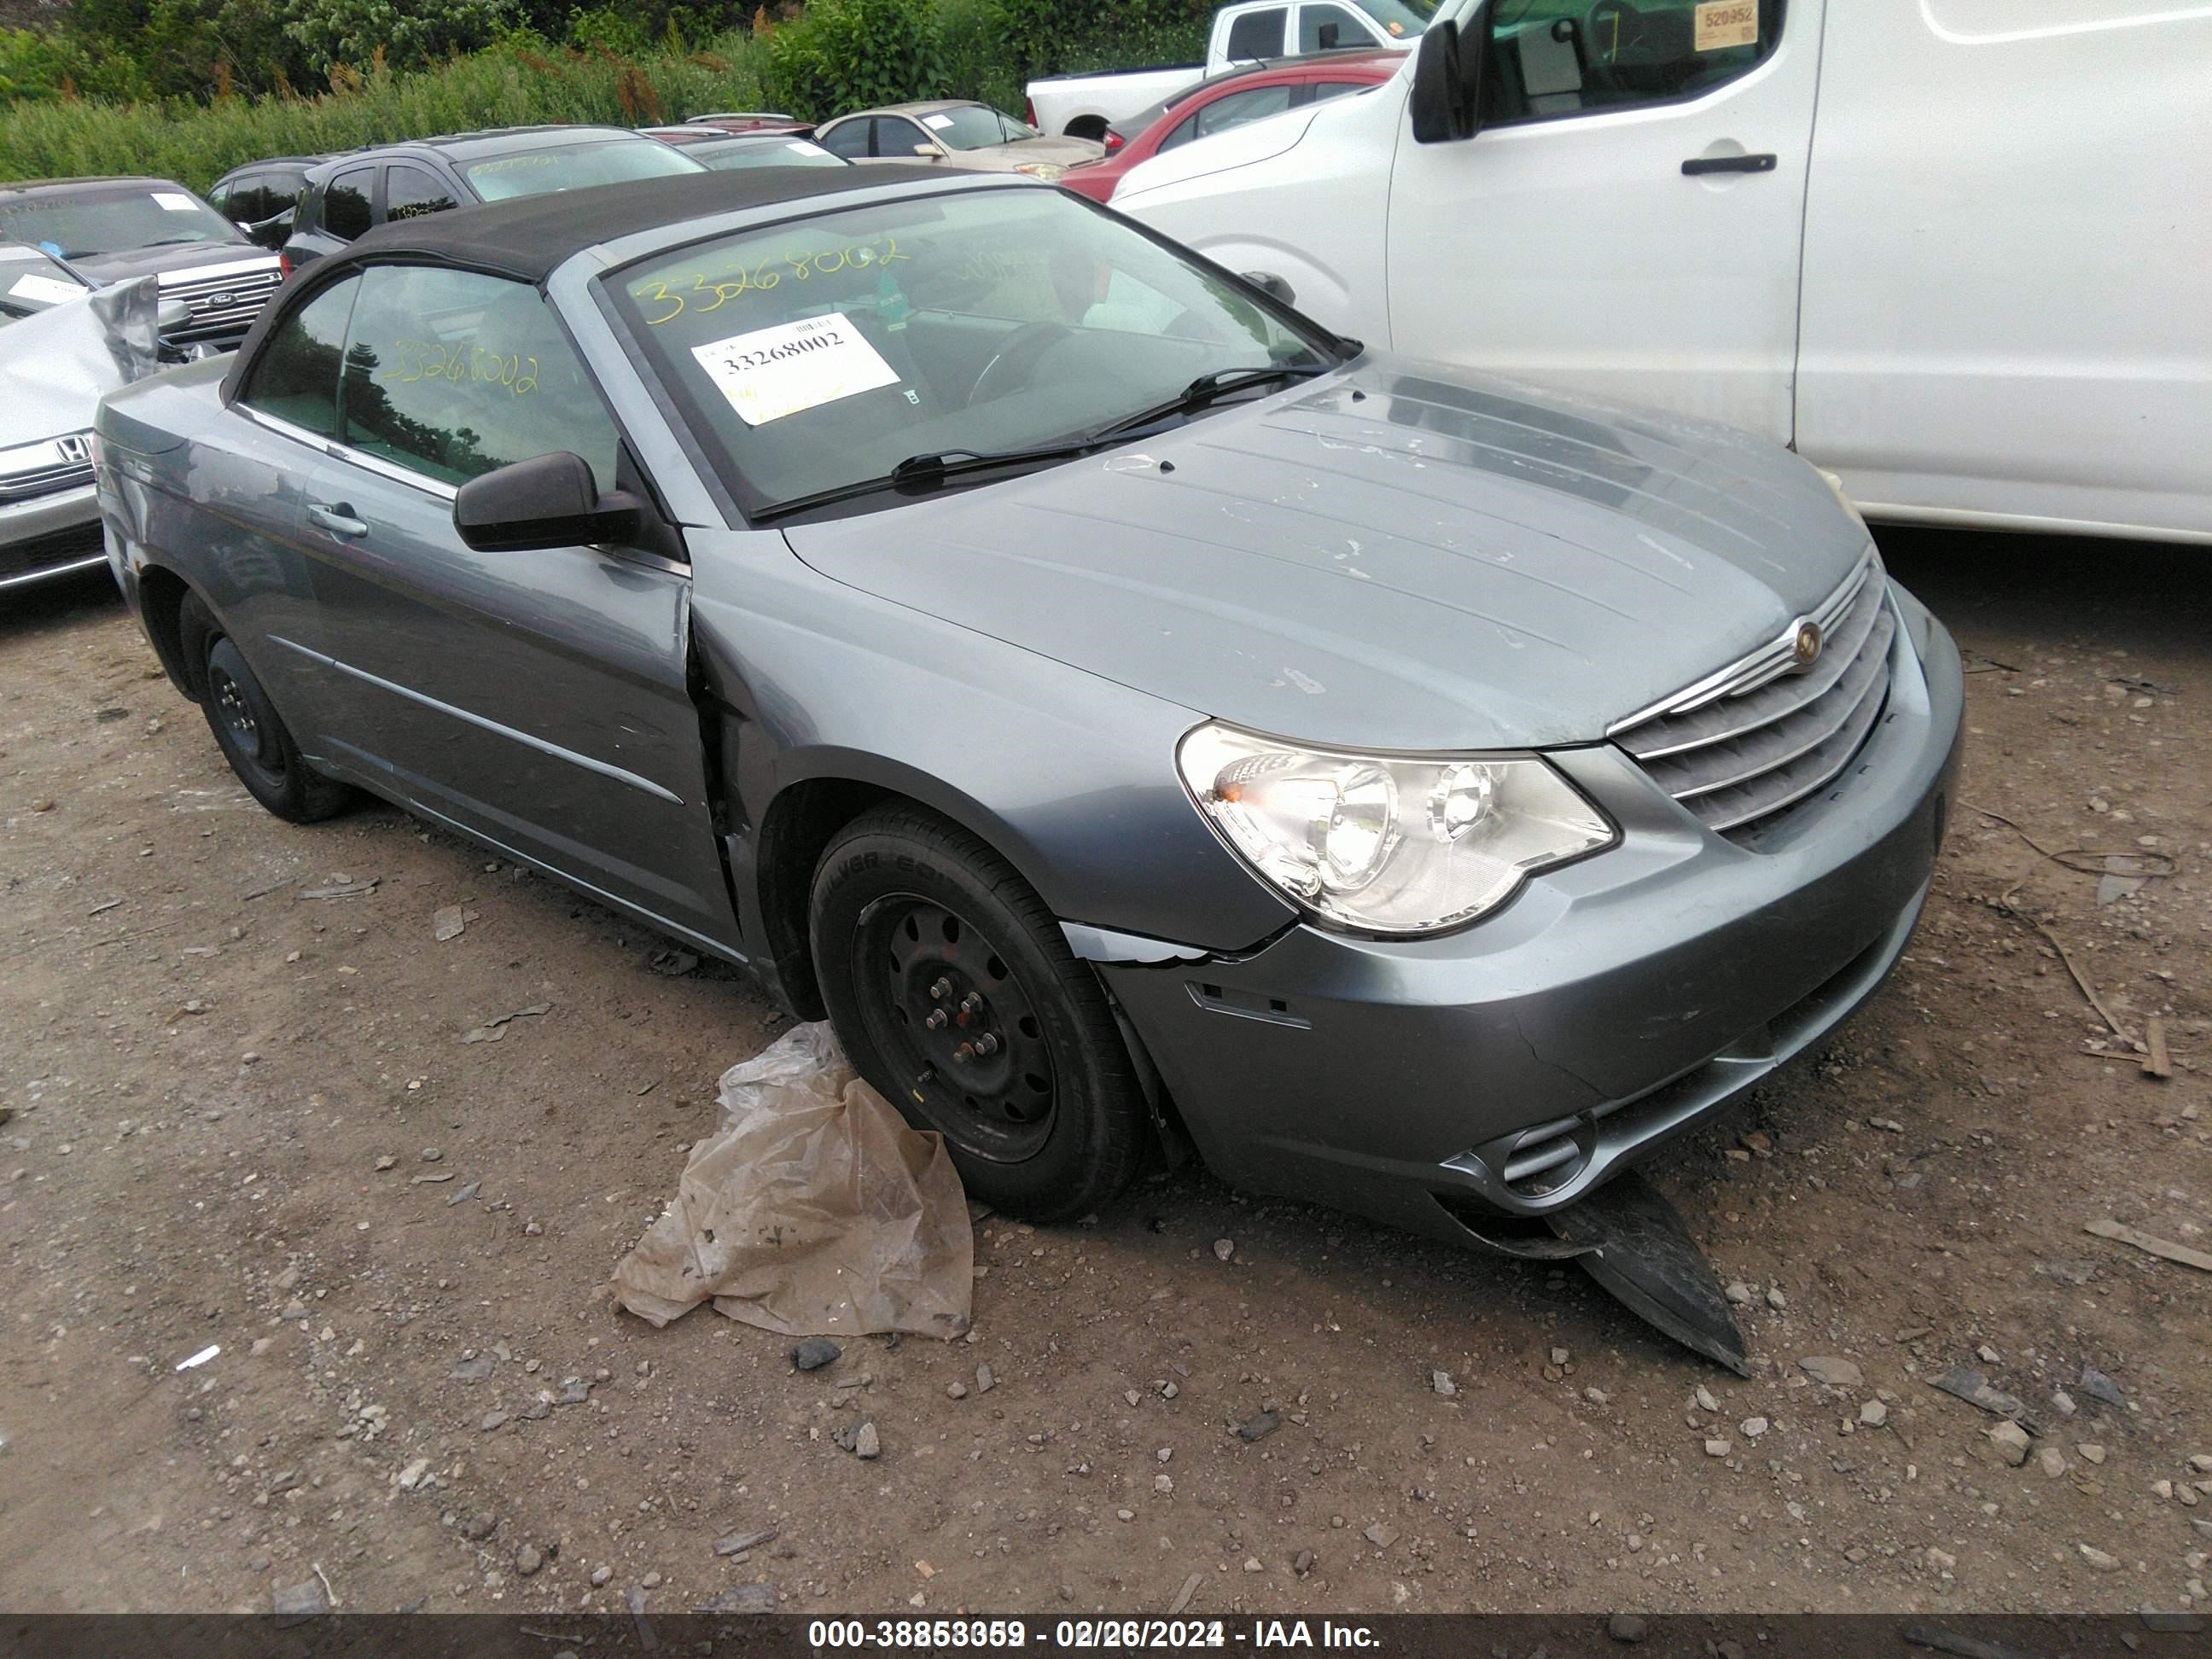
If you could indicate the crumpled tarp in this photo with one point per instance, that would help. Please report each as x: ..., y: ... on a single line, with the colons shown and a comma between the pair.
x: 54, y: 364
x: 816, y: 1210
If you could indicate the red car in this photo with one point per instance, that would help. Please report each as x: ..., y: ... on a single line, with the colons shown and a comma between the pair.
x: 1226, y: 101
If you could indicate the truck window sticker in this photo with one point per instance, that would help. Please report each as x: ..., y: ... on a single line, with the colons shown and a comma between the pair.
x: 1721, y: 24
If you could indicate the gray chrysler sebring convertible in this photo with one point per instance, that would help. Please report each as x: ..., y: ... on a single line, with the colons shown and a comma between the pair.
x: 1121, y: 705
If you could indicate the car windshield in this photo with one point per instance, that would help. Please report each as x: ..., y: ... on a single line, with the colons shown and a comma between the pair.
x: 973, y: 126
x: 1402, y: 19
x: 574, y: 167
x: 819, y: 353
x: 84, y: 224
x: 30, y: 281
x: 766, y: 153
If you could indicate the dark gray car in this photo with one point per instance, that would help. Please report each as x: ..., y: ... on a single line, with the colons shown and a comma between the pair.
x: 1112, y: 699
x: 349, y: 195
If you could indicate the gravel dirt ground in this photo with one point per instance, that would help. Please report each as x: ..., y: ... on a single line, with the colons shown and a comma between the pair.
x: 240, y: 1116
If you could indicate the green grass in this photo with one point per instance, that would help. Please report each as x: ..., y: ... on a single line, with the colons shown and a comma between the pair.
x: 509, y: 85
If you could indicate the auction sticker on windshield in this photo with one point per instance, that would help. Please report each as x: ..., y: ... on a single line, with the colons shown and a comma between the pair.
x: 775, y: 372
x: 47, y: 290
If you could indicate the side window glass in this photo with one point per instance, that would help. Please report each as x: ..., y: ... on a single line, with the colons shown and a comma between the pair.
x: 1324, y: 90
x: 1181, y: 133
x: 1256, y: 34
x: 411, y: 191
x: 1324, y: 28
x: 345, y: 203
x: 296, y: 378
x: 848, y: 139
x: 1238, y: 107
x: 1554, y: 58
x: 896, y: 137
x: 452, y: 373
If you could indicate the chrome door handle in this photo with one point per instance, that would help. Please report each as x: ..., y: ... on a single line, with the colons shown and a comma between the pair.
x: 339, y: 520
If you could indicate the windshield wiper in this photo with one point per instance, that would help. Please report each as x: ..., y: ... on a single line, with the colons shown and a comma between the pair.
x: 1214, y: 383
x: 925, y: 471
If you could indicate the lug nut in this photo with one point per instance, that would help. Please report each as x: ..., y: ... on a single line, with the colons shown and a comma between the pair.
x: 988, y: 1043
x: 972, y: 1003
x: 936, y: 1020
x: 941, y: 990
x: 963, y: 1053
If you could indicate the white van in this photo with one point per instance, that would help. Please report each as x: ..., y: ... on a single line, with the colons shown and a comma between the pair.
x: 1959, y: 252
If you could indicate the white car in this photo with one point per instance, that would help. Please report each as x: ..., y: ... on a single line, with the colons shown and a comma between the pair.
x: 64, y: 341
x: 1944, y: 247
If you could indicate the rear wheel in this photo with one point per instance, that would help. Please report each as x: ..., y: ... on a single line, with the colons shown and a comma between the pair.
x: 252, y: 739
x: 954, y: 992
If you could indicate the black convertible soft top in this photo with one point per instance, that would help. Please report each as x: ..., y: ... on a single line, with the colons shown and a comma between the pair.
x: 527, y: 238
x: 529, y: 235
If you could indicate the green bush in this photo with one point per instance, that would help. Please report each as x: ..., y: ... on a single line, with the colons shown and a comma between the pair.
x: 35, y: 66
x: 613, y: 29
x: 360, y: 32
x: 972, y: 43
x: 515, y: 84
x: 842, y: 55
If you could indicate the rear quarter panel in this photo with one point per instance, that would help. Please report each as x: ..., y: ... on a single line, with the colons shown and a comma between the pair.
x: 206, y: 495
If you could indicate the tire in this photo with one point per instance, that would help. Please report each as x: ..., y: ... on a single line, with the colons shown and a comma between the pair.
x: 911, y: 917
x: 247, y: 729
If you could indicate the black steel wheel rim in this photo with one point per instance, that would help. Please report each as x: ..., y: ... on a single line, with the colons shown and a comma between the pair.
x: 245, y: 722
x: 945, y: 1008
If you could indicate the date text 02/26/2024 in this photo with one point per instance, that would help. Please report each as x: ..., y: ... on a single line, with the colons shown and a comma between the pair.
x: 1086, y: 1634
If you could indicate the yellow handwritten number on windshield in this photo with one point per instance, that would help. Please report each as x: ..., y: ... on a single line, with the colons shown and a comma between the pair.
x: 759, y: 279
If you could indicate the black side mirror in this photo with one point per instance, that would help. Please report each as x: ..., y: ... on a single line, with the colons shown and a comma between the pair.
x: 549, y: 500
x: 1272, y: 285
x: 1448, y: 81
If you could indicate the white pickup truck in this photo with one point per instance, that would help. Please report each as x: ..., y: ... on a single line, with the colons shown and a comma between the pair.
x: 1084, y: 106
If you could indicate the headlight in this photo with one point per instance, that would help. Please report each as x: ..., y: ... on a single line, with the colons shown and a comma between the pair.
x: 1384, y: 843
x: 1048, y: 171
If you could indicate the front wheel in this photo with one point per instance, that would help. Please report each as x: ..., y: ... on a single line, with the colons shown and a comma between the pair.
x: 955, y: 994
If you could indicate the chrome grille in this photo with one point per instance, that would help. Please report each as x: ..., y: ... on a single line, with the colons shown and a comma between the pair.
x: 1764, y: 733
x: 224, y: 303
x: 34, y: 482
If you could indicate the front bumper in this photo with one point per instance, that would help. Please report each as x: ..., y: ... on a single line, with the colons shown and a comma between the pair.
x: 1513, y: 1066
x: 49, y: 535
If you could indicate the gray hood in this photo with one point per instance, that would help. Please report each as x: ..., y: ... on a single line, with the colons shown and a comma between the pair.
x: 1401, y: 557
